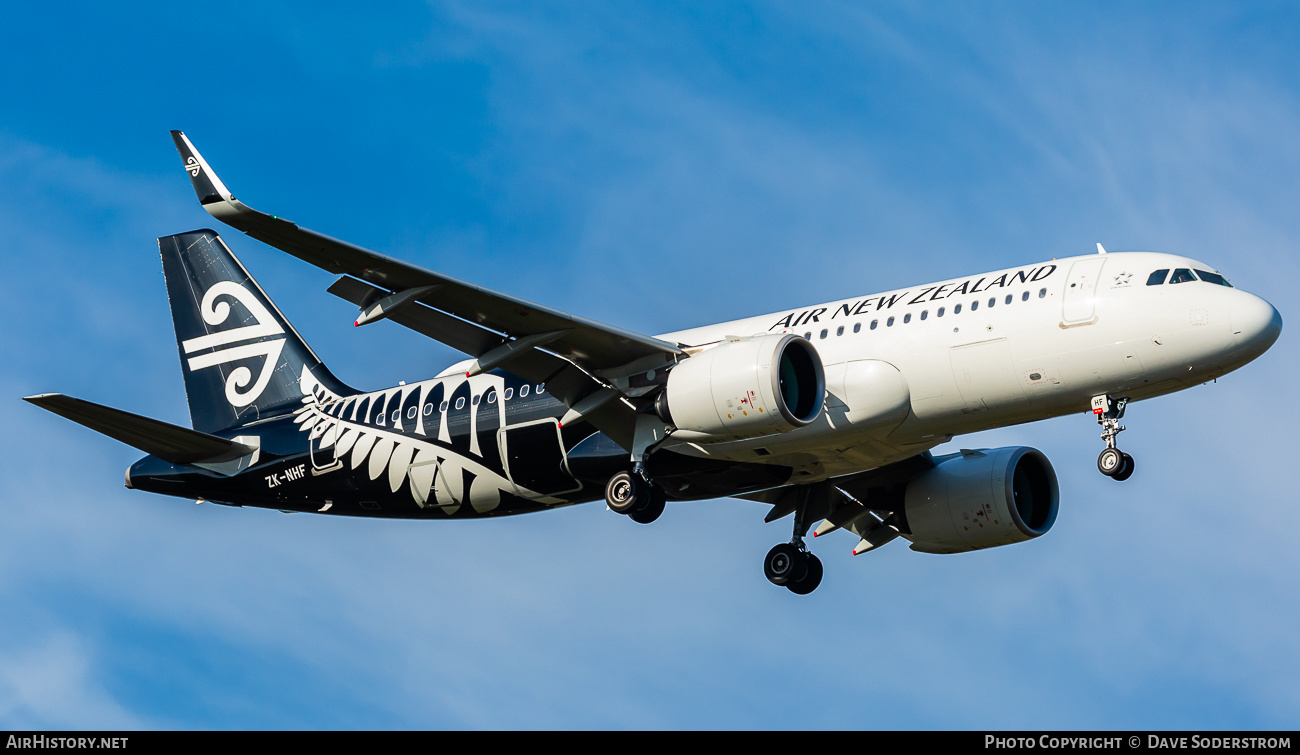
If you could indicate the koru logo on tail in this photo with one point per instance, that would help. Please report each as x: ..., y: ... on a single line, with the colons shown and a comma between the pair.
x: 216, y: 312
x: 192, y: 166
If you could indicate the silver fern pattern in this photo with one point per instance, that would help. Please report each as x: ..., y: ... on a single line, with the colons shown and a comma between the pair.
x: 386, y: 444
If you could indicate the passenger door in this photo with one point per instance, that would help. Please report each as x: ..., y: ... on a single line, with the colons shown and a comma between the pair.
x: 1079, y: 303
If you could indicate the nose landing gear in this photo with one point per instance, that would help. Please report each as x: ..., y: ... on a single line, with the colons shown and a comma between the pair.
x: 1112, y: 462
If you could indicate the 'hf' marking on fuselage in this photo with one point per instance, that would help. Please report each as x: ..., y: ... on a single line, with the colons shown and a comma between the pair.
x: 288, y: 475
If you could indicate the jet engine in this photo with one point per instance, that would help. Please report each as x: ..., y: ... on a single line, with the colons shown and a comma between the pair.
x: 744, y: 388
x: 981, y: 499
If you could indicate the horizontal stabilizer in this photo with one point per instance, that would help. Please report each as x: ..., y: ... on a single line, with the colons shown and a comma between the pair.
x: 178, y: 445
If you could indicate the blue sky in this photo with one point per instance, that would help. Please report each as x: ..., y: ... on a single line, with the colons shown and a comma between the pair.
x: 656, y: 166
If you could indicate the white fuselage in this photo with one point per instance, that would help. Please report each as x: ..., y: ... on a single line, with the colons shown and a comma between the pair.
x: 907, y: 370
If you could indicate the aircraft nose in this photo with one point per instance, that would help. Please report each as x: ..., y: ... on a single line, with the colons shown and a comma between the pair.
x: 1256, y: 324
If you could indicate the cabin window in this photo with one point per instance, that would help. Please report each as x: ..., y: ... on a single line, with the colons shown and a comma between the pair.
x: 889, y: 323
x: 510, y: 393
x: 491, y: 397
x: 428, y: 409
x: 839, y: 331
x: 397, y: 417
x: 1158, y: 277
x: 824, y: 332
x: 523, y: 391
x: 874, y: 323
x: 939, y: 313
x: 993, y: 301
x: 410, y: 413
x: 474, y: 401
x: 974, y: 305
x: 1182, y: 275
x: 1024, y: 296
x: 1008, y: 300
x: 460, y: 403
x: 380, y: 419
x: 541, y: 388
x: 1042, y: 292
x: 907, y: 318
x: 1214, y: 278
x: 956, y: 310
x: 925, y: 313
x: 857, y: 326
x: 444, y: 406
x: 807, y: 336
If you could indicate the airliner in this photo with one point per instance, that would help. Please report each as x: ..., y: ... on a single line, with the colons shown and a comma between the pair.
x: 826, y: 413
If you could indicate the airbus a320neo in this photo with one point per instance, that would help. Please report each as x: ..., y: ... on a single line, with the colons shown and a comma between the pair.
x: 827, y: 412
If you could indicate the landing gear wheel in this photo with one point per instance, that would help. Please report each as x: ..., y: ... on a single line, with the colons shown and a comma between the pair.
x: 812, y: 577
x: 654, y: 506
x: 784, y: 564
x: 626, y: 493
x: 1110, y: 462
x: 1125, y: 470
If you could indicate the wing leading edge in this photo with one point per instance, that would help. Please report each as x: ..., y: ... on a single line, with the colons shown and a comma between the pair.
x: 585, y: 363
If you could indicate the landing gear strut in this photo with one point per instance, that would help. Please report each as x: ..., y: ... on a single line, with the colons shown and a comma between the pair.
x: 1112, y: 462
x: 632, y: 493
x: 791, y: 565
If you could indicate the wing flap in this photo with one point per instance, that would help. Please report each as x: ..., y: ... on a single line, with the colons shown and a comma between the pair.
x: 848, y: 491
x: 595, y: 345
x: 564, y: 380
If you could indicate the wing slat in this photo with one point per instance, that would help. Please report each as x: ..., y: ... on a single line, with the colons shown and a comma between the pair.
x: 597, y: 346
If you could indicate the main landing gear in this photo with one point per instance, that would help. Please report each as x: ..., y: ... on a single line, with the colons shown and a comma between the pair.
x: 633, y: 493
x: 1112, y: 462
x: 791, y: 565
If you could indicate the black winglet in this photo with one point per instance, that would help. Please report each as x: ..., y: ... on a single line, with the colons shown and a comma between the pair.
x: 206, y: 184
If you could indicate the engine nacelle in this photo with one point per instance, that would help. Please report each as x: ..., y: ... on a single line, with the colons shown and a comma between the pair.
x: 980, y: 499
x: 745, y: 388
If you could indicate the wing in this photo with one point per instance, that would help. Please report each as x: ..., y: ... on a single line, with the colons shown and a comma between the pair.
x: 590, y: 366
x: 868, y: 504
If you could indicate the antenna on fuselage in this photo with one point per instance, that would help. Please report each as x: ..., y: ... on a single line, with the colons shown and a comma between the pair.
x: 1100, y: 249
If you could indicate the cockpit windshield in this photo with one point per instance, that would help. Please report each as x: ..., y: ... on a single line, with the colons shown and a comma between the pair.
x: 1184, y: 275
x: 1210, y: 277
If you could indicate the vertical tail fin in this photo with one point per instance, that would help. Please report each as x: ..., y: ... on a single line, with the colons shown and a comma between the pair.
x: 241, y: 358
